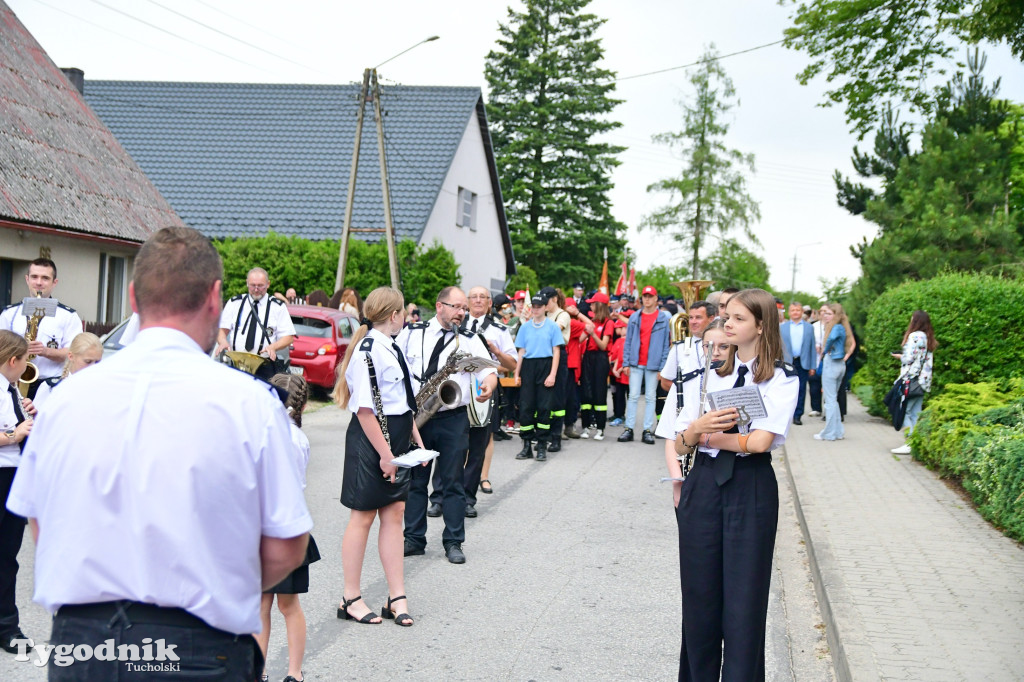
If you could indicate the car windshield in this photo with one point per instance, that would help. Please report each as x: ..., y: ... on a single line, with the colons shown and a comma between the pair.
x: 310, y: 326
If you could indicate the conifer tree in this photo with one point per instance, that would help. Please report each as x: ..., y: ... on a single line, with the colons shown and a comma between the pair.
x: 549, y: 99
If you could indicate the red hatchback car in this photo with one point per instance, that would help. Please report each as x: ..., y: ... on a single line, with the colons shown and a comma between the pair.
x: 321, y: 338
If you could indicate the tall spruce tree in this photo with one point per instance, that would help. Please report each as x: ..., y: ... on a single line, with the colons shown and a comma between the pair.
x: 549, y: 99
x: 710, y: 193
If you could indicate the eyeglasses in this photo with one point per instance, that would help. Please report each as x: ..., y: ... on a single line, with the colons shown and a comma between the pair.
x: 480, y: 297
x: 414, y: 312
x: 463, y: 308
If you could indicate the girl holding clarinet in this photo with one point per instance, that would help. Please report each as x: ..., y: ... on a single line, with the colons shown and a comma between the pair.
x: 728, y: 506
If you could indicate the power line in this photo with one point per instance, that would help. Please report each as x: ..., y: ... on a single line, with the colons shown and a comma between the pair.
x: 246, y: 23
x: 175, y: 35
x: 696, y: 63
x: 100, y: 26
x: 231, y: 37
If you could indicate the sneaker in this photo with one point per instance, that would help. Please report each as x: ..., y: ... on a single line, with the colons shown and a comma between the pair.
x: 599, y: 435
x: 618, y: 421
x: 901, y: 450
x: 814, y: 413
x: 585, y: 433
x: 514, y: 428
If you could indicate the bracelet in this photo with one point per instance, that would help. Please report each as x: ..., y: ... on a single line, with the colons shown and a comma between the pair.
x: 707, y: 440
x: 742, y: 440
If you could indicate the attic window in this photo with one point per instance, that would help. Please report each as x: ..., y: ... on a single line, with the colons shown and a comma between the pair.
x: 466, y: 209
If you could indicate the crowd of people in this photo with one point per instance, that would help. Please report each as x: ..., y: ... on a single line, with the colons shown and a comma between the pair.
x: 483, y: 368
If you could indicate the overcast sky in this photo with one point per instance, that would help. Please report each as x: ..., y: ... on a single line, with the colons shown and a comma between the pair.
x: 797, y: 144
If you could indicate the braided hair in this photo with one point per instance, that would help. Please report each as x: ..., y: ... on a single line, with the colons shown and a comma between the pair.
x: 298, y: 394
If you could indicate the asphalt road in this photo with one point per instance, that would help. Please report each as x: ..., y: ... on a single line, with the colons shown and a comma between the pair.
x: 571, y: 574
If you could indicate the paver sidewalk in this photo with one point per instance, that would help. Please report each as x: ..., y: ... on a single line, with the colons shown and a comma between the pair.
x: 913, y: 583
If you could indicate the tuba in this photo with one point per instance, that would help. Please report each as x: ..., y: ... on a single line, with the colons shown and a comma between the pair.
x: 690, y: 291
x: 31, y: 373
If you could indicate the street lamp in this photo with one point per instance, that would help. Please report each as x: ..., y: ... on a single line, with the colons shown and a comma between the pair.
x: 792, y: 282
x: 425, y: 40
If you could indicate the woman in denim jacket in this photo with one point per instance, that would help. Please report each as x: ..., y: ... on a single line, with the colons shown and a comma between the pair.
x: 916, y: 363
x: 836, y: 332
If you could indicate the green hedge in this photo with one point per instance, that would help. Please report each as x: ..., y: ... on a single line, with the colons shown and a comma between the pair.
x: 307, y: 265
x: 975, y: 432
x: 977, y: 319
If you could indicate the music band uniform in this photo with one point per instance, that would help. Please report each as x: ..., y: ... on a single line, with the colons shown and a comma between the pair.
x: 245, y: 333
x: 55, y: 331
x: 684, y: 355
x: 204, y: 497
x: 364, y: 486
x: 727, y: 538
x: 426, y: 346
x: 12, y: 526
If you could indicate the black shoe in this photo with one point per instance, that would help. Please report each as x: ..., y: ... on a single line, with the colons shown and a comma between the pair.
x: 501, y: 435
x: 648, y: 438
x: 526, y: 452
x: 434, y: 510
x: 626, y: 436
x: 8, y: 644
x: 542, y: 452
x: 470, y: 511
x: 412, y: 549
x: 455, y: 554
x: 797, y: 422
x: 554, y: 446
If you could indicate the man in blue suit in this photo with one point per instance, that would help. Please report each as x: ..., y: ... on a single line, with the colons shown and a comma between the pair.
x: 798, y: 350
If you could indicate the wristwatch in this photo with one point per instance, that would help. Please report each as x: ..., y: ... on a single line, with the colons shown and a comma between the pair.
x: 10, y: 434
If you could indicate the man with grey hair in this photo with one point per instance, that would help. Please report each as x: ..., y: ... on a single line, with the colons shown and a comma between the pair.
x: 255, y: 322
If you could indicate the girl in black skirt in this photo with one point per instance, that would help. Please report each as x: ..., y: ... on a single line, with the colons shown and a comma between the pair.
x: 372, y: 485
x: 297, y: 582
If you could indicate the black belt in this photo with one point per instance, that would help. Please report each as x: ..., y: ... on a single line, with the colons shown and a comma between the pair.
x: 441, y: 414
x: 136, y: 612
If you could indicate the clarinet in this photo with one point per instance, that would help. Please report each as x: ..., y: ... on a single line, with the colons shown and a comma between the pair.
x: 687, y: 459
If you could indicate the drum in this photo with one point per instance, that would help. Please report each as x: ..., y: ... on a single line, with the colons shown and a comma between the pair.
x: 479, y: 413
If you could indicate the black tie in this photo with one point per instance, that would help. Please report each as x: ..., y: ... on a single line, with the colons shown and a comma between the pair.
x: 409, y: 396
x: 250, y: 336
x: 19, y: 413
x: 726, y: 459
x: 473, y: 330
x: 435, y: 357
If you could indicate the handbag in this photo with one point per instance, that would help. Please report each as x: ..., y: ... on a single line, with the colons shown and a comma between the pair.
x: 914, y: 388
x: 403, y: 475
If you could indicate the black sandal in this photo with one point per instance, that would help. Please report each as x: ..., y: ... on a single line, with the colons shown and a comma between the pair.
x: 403, y: 619
x: 345, y: 615
x: 488, y: 489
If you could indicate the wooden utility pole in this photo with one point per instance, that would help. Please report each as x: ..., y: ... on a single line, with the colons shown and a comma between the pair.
x: 366, y: 94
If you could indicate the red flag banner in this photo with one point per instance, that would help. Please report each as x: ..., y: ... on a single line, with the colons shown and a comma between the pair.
x: 603, y: 284
x: 632, y: 282
x: 620, y: 286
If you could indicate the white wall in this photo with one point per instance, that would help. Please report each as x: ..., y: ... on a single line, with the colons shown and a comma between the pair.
x: 480, y: 253
x: 78, y: 267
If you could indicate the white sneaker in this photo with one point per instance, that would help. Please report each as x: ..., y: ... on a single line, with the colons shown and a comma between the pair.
x: 901, y: 450
x: 599, y: 435
x: 585, y: 433
x: 814, y: 413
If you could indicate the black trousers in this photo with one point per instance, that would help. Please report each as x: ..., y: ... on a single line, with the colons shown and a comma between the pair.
x: 204, y: 652
x: 560, y: 396
x: 478, y: 440
x: 620, y: 392
x: 594, y: 389
x: 726, y: 541
x: 448, y: 433
x: 814, y: 388
x: 572, y: 397
x: 804, y: 374
x: 535, y: 400
x: 12, y: 532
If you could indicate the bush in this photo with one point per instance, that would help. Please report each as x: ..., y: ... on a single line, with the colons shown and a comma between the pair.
x: 977, y: 321
x: 938, y: 438
x: 307, y: 265
x: 995, y: 468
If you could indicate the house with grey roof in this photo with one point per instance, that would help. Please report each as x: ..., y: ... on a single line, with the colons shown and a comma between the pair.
x: 68, y: 190
x: 245, y: 159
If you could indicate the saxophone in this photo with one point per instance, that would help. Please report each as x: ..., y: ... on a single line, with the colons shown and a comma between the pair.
x: 440, y: 390
x: 31, y: 373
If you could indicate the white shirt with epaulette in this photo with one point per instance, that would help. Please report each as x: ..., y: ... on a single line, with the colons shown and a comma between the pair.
x: 386, y: 367
x: 417, y: 342
x: 495, y: 332
x: 273, y: 314
x: 57, y: 331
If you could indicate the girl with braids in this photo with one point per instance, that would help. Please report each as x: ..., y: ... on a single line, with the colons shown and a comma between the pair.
x: 297, y: 582
x: 85, y: 350
x: 372, y: 487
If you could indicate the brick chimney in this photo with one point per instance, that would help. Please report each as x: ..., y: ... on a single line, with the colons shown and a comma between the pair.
x: 77, y: 78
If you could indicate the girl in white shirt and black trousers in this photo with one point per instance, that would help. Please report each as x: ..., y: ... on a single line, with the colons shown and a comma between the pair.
x: 728, y: 506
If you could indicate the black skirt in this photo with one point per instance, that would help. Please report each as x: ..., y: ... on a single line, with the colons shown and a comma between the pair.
x: 297, y: 582
x: 364, y: 487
